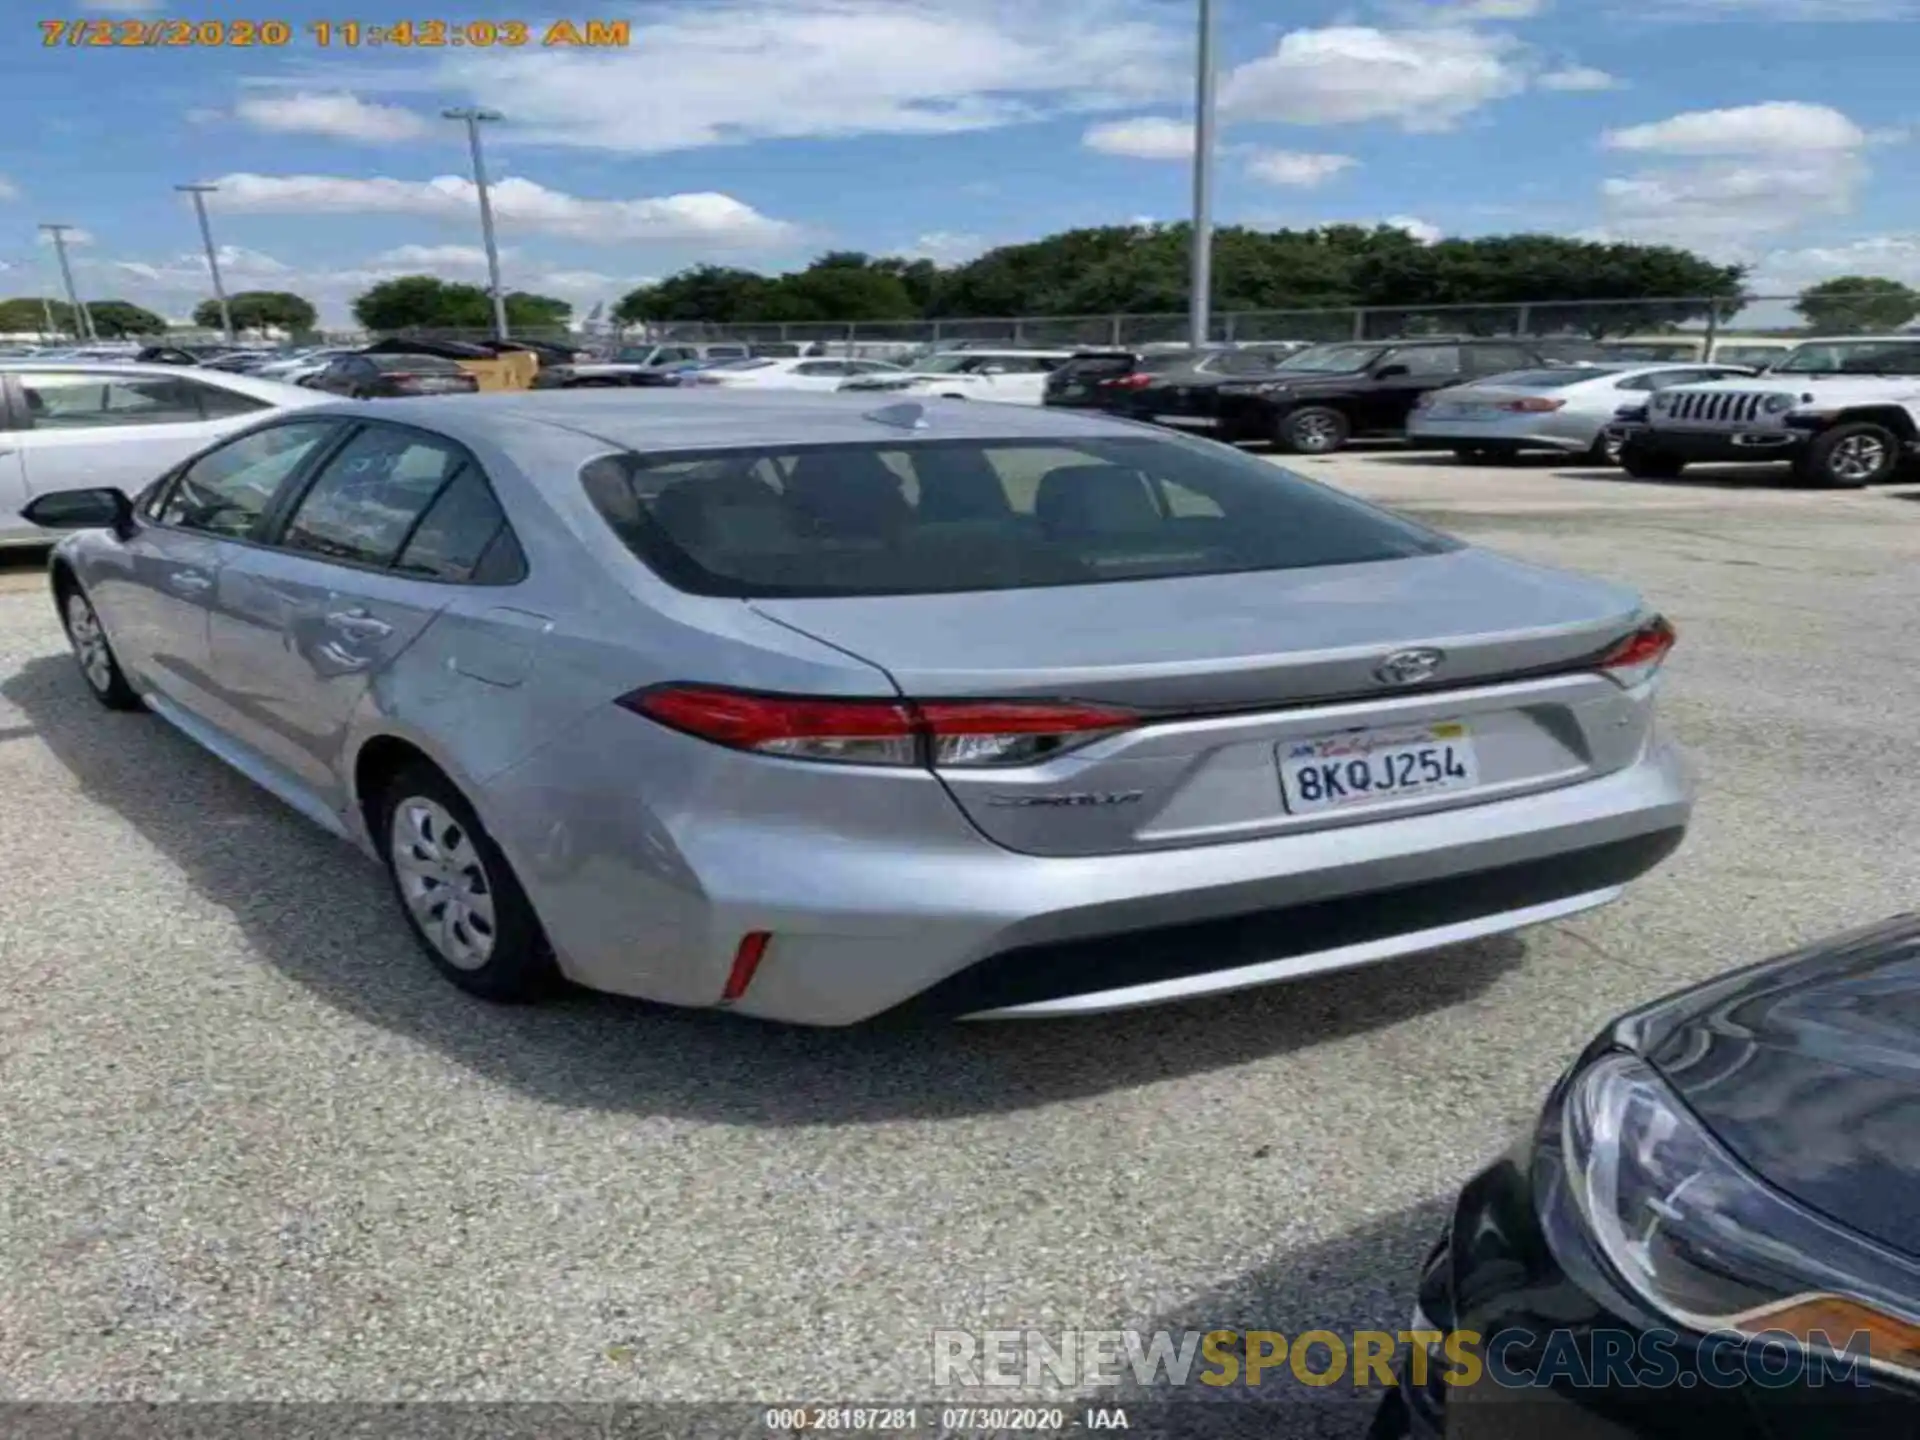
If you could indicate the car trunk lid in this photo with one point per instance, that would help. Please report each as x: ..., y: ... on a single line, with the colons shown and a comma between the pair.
x: 1228, y: 671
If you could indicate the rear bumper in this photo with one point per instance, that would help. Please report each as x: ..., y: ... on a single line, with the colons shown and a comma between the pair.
x: 905, y: 902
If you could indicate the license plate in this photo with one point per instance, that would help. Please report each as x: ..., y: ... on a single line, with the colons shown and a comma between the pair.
x: 1357, y: 768
x: 1459, y: 411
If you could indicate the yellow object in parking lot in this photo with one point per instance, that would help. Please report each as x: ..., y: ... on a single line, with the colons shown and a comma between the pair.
x: 513, y: 370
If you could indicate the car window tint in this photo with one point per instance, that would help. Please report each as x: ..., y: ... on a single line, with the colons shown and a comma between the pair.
x: 1242, y: 362
x: 226, y: 491
x: 951, y: 515
x: 1494, y: 359
x: 1426, y: 362
x: 219, y: 403
x: 365, y: 500
x: 455, y: 535
x: 822, y: 367
x: 75, y: 400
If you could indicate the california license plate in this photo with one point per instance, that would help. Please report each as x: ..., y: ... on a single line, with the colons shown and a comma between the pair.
x: 1356, y: 768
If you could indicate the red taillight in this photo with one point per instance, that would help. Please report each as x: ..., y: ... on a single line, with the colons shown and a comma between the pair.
x: 746, y: 961
x: 1534, y: 405
x: 879, y: 732
x: 1635, y: 658
x: 1127, y: 382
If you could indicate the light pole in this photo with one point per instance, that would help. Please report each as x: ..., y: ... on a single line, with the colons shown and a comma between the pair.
x: 1200, y: 285
x: 473, y: 116
x: 82, y: 321
x: 200, y: 193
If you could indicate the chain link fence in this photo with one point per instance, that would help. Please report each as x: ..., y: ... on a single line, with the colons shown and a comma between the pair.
x: 1681, y: 324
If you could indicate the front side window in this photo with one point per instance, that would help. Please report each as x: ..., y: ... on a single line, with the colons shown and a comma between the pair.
x: 954, y: 515
x: 1332, y: 360
x: 226, y: 491
x: 75, y: 400
x: 219, y: 403
x: 365, y: 501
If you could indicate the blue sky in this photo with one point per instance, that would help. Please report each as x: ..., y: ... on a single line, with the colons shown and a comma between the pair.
x: 1780, y: 133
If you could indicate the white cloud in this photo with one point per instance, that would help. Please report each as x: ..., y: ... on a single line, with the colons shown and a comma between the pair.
x: 1754, y: 170
x: 452, y: 256
x: 518, y: 203
x: 1421, y: 80
x: 1578, y: 78
x: 1783, y: 272
x: 732, y: 71
x: 1425, y: 231
x: 1777, y: 125
x: 1144, y: 137
x: 340, y: 116
x: 8, y: 190
x: 1297, y: 168
x: 1825, y: 12
x: 945, y: 247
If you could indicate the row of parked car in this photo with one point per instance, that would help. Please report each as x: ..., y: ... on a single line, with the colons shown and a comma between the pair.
x: 1841, y: 411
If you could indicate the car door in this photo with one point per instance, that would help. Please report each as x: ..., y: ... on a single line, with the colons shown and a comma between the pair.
x: 84, y: 428
x: 156, y: 607
x: 1400, y: 378
x: 817, y: 375
x: 307, y: 620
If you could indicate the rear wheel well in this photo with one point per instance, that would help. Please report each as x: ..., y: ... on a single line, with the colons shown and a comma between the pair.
x: 379, y: 760
x: 1892, y: 417
x: 60, y: 575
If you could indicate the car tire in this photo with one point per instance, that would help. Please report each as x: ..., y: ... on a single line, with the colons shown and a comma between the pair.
x: 459, y: 895
x: 1643, y: 462
x: 1312, y: 430
x: 1848, y: 456
x: 93, y: 652
x: 1605, y: 450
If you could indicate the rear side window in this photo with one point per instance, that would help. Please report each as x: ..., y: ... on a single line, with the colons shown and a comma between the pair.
x: 77, y: 400
x: 954, y: 515
x: 464, y: 537
x: 218, y: 403
x: 365, y: 501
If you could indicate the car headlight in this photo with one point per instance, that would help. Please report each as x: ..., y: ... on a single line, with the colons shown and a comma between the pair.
x: 1777, y: 402
x: 1662, y: 400
x: 1706, y: 1242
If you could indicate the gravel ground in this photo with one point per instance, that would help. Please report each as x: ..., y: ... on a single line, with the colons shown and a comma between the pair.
x: 254, y: 1150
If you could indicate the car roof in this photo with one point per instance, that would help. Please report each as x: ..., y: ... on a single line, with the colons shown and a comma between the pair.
x: 668, y: 420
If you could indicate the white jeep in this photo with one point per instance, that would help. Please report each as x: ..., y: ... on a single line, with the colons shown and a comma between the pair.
x: 1843, y: 412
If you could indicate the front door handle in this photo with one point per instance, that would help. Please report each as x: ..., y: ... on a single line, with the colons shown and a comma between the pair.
x: 359, y: 624
x: 191, y: 581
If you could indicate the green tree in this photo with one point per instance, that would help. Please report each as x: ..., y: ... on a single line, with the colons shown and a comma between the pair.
x: 116, y: 319
x: 527, y: 311
x: 1852, y: 304
x: 259, y: 310
x: 27, y: 315
x: 715, y: 293
x: 412, y: 302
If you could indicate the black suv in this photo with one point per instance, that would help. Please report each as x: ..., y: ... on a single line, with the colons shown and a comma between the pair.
x: 1317, y: 400
x: 1173, y: 387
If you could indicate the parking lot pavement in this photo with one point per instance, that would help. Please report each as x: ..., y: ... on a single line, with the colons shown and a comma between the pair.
x: 253, y: 1148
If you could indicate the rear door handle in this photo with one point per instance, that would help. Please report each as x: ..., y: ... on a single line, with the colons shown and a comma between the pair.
x: 191, y: 581
x: 359, y: 624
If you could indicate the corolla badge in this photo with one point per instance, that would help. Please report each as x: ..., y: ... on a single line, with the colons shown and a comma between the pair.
x: 1408, y: 667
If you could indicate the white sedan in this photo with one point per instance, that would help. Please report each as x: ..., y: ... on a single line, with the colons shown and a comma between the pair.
x: 1012, y: 377
x: 766, y: 372
x: 1563, y: 408
x: 73, y: 425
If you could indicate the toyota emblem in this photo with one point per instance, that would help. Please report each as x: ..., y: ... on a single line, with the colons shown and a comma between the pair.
x: 1408, y: 667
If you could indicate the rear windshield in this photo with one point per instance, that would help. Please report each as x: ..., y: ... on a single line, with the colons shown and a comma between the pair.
x: 929, y: 517
x: 1084, y: 367
x: 413, y: 362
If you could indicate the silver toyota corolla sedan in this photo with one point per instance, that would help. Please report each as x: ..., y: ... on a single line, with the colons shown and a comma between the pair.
x: 815, y: 710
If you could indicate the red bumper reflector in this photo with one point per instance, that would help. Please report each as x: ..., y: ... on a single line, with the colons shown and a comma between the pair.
x: 746, y: 960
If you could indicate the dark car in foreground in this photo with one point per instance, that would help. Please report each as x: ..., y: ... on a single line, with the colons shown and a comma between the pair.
x: 371, y: 377
x: 1316, y: 401
x: 1736, y: 1161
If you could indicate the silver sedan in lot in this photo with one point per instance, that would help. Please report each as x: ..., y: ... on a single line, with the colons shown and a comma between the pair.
x: 815, y: 710
x: 1563, y: 408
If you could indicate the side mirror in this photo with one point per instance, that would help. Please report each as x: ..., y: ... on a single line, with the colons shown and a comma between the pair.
x: 98, y: 509
x: 1391, y: 372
